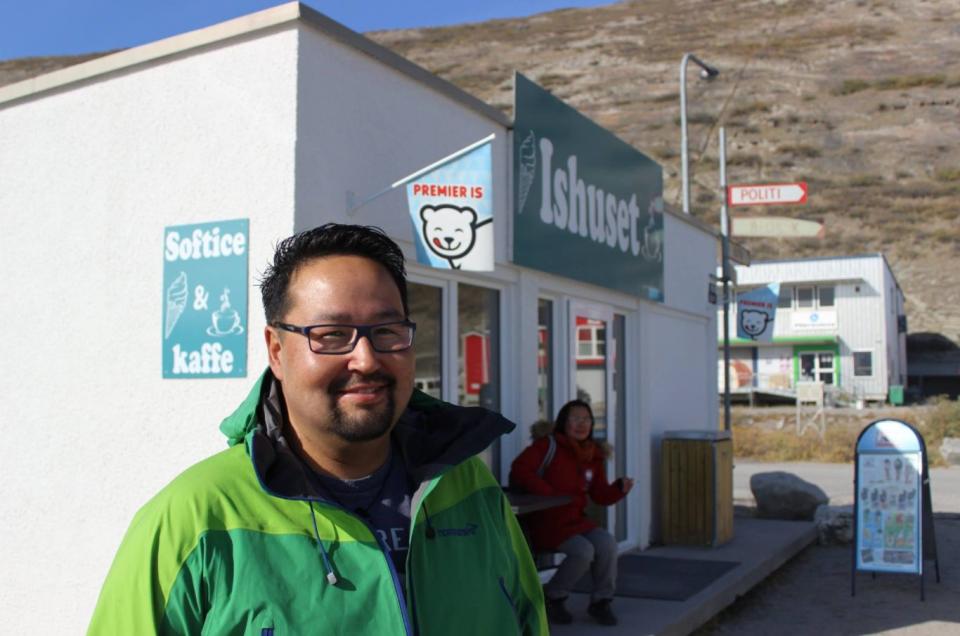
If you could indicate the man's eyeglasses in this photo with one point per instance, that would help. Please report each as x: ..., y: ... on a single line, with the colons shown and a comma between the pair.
x: 387, y: 337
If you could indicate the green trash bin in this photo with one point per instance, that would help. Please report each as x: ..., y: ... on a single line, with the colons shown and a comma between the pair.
x: 896, y: 394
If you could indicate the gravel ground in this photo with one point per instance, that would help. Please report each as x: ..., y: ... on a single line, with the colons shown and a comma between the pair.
x: 811, y: 594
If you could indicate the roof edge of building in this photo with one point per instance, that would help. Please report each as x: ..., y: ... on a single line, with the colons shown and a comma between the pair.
x: 273, y: 17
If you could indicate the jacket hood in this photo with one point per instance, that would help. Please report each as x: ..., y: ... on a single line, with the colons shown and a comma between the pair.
x: 430, y: 435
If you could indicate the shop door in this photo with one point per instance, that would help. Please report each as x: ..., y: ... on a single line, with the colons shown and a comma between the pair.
x: 817, y: 366
x: 592, y: 380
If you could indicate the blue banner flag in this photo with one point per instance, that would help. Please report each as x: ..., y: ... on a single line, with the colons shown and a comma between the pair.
x: 451, y: 208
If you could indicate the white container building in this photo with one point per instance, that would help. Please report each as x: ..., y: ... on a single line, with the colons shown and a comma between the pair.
x: 839, y: 321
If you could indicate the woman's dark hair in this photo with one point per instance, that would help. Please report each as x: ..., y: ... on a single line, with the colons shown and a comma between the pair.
x: 561, y: 424
x: 330, y: 239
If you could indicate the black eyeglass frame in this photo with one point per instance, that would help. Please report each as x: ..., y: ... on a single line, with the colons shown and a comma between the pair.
x: 362, y: 331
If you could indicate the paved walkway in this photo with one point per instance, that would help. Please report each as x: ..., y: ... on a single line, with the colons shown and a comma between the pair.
x: 760, y: 546
x: 805, y: 588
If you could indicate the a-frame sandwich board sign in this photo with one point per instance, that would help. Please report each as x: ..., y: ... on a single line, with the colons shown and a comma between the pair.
x: 892, y: 513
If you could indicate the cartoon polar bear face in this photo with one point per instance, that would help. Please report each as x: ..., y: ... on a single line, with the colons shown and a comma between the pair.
x: 754, y: 322
x: 448, y: 230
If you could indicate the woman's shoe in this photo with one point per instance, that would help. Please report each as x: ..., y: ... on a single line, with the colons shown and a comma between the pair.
x: 601, y: 612
x: 557, y: 611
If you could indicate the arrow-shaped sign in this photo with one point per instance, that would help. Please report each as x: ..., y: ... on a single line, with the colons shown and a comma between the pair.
x: 769, y: 194
x: 775, y: 227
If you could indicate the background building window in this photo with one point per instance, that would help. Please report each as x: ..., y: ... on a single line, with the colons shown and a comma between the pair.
x: 785, y: 299
x: 545, y: 359
x: 425, y: 309
x: 826, y: 296
x: 805, y: 297
x: 862, y: 363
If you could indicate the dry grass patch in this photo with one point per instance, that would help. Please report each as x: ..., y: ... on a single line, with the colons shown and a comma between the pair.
x: 786, y: 446
x: 770, y: 434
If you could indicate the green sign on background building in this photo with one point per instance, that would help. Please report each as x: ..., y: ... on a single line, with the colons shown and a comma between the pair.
x: 587, y: 205
x: 204, y: 323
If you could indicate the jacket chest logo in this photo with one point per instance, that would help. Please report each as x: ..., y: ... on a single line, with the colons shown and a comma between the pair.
x: 469, y: 530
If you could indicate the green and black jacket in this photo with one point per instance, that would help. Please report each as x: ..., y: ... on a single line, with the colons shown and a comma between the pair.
x: 241, y: 543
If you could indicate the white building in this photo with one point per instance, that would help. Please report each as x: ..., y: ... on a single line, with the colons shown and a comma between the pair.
x: 273, y: 118
x: 839, y: 321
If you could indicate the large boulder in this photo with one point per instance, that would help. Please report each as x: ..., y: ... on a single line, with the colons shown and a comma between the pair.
x: 782, y: 495
x: 950, y: 450
x: 834, y: 524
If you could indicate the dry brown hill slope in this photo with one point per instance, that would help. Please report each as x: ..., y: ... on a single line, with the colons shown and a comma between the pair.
x: 860, y: 98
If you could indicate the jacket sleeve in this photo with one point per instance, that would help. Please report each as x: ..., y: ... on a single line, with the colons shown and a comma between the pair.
x: 602, y: 491
x: 529, y: 603
x: 523, y: 471
x: 148, y: 590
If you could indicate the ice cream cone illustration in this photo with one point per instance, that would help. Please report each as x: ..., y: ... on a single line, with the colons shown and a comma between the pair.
x: 176, y: 302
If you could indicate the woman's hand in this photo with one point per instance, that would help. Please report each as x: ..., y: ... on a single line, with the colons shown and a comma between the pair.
x: 626, y: 484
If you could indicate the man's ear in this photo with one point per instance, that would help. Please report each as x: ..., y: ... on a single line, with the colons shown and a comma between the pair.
x: 274, y: 346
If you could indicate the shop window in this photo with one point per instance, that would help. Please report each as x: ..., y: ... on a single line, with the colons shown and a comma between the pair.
x: 620, y: 417
x: 805, y: 297
x: 785, y: 299
x: 425, y: 309
x: 545, y: 359
x: 862, y: 363
x: 478, y: 312
x: 826, y: 296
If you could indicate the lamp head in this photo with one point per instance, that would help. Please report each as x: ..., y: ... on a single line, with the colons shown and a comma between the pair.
x: 708, y: 72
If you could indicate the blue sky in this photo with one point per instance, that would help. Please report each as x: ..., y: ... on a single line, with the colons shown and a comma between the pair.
x: 65, y: 27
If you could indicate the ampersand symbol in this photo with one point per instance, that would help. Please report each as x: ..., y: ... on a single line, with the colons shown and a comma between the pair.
x: 200, y: 298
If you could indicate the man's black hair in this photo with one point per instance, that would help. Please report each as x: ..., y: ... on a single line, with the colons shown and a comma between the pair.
x: 330, y: 239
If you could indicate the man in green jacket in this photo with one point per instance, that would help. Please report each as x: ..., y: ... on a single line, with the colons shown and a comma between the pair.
x: 348, y: 503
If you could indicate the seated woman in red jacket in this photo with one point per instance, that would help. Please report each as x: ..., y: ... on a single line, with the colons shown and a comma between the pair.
x: 576, y: 469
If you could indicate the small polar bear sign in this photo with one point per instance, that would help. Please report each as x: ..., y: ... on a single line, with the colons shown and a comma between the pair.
x: 449, y: 231
x: 754, y: 322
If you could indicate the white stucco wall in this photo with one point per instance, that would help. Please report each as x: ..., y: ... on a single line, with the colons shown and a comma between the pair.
x: 91, y: 176
x: 678, y: 353
x: 363, y: 126
x: 274, y: 126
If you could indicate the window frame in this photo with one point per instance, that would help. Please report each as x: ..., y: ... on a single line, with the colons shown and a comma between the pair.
x: 813, y: 296
x: 853, y: 359
x: 819, y: 300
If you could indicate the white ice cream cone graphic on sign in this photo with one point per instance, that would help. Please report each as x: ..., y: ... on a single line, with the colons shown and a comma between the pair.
x: 176, y: 302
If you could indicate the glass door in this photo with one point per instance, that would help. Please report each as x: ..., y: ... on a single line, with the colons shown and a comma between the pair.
x: 592, y: 380
x: 817, y: 366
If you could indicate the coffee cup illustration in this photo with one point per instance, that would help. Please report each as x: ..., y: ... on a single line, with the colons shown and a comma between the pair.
x: 225, y: 321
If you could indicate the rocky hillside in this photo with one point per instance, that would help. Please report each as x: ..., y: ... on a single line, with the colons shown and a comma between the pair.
x: 860, y: 98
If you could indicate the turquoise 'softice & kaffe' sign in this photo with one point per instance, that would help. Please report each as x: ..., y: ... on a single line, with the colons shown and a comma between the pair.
x: 587, y: 205
x: 204, y: 323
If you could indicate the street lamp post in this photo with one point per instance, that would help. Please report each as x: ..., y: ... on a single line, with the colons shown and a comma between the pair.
x: 725, y: 268
x: 706, y: 72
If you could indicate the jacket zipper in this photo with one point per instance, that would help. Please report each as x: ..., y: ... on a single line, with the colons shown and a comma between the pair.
x: 513, y: 606
x: 398, y: 590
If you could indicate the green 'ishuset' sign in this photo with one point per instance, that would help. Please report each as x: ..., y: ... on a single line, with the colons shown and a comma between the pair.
x: 587, y: 205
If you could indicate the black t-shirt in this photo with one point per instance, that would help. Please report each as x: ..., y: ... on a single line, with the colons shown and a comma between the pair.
x: 382, y: 499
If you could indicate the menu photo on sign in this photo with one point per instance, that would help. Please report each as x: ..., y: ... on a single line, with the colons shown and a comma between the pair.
x: 889, y: 506
x: 204, y: 322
